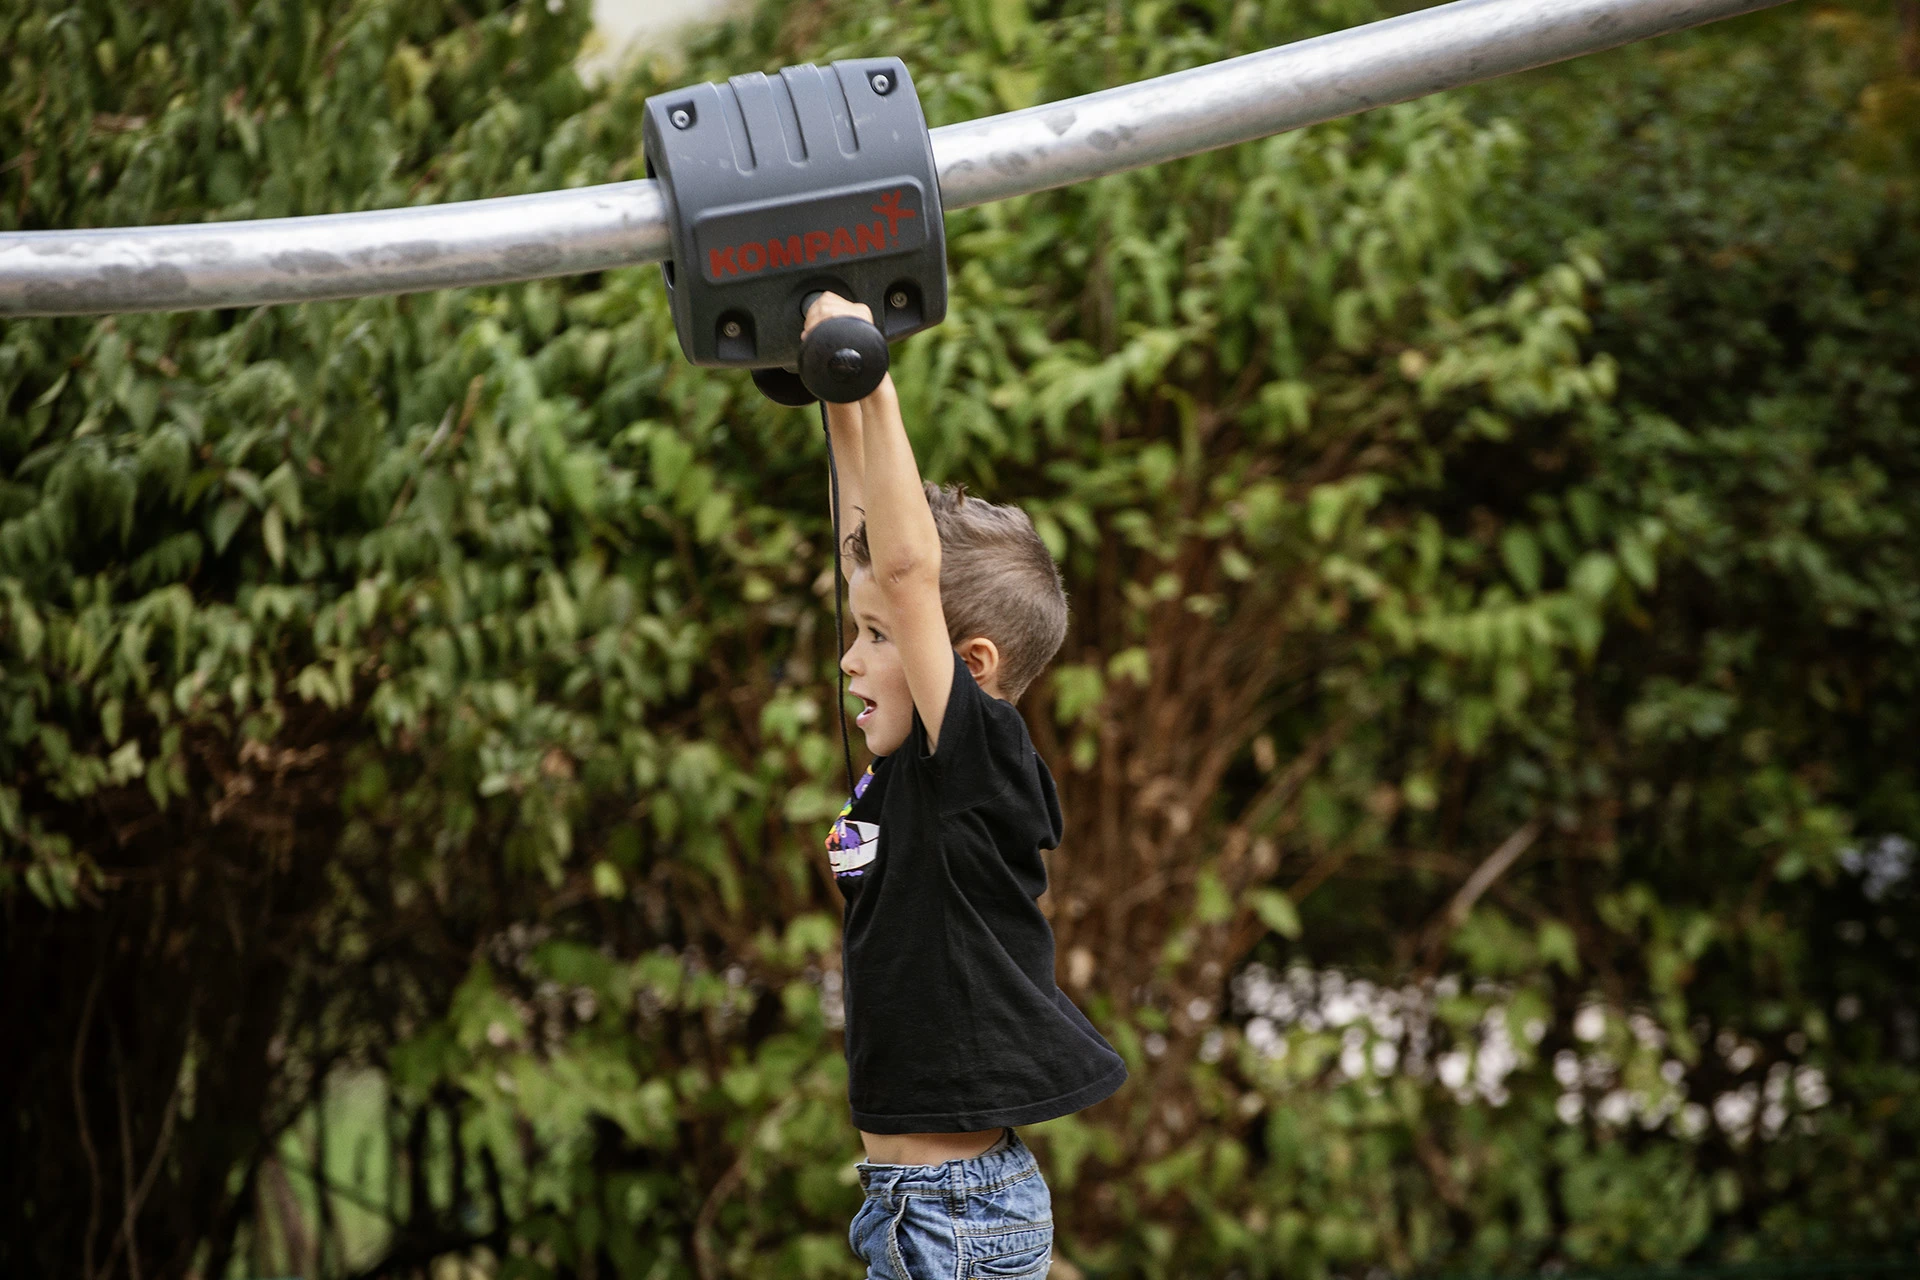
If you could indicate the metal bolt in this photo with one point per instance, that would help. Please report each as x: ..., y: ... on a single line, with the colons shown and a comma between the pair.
x: 731, y: 329
x: 897, y: 299
x: 882, y: 83
x: 681, y: 117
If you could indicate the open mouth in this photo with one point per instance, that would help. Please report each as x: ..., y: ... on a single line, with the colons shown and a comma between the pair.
x: 867, y: 713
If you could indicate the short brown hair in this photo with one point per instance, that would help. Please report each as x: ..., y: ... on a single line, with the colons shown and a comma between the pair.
x: 997, y: 579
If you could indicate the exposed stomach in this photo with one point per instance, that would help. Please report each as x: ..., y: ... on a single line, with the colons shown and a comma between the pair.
x: 926, y: 1148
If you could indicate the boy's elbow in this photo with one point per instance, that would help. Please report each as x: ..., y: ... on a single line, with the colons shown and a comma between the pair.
x: 907, y: 572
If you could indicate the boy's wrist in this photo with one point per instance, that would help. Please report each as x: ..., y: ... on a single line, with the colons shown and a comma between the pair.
x: 844, y: 419
x: 881, y: 395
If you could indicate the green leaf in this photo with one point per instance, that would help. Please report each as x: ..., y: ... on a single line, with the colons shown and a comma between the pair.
x: 28, y: 631
x: 225, y: 522
x: 607, y: 881
x: 1277, y: 912
x: 1077, y: 690
x: 1636, y: 557
x: 1133, y: 664
x: 273, y: 532
x: 1559, y: 946
x: 1522, y: 556
x: 247, y: 485
x: 1212, y: 903
x: 1593, y: 577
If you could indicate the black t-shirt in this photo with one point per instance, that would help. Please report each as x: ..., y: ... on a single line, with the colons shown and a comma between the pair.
x: 954, y: 1020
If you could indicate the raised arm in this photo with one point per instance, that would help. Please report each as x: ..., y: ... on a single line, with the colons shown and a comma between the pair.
x: 905, y: 546
x: 901, y: 538
x: 850, y: 465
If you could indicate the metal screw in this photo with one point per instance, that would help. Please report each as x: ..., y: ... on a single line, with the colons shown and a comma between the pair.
x: 882, y: 83
x: 897, y: 299
x: 681, y: 117
x: 731, y: 329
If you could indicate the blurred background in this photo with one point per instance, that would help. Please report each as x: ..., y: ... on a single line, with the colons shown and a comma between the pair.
x: 1487, y: 732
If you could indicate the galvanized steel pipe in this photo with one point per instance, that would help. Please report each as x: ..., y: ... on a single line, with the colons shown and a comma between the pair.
x: 478, y: 242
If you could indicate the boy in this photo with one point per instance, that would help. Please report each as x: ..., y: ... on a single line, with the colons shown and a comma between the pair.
x: 956, y: 1030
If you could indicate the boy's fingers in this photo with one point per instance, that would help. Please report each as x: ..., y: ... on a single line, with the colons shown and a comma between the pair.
x: 828, y: 305
x: 823, y: 306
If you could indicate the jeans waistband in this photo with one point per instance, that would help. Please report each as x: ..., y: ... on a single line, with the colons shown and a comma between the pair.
x: 1006, y: 1161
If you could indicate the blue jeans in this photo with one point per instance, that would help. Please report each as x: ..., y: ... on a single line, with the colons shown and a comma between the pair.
x: 988, y: 1217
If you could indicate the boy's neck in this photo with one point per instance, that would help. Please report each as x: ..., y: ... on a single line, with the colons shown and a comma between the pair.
x: 991, y: 688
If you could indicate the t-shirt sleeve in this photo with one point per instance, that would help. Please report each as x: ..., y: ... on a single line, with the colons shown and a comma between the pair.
x: 970, y: 766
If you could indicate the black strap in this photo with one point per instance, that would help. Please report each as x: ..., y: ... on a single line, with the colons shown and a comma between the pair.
x: 839, y: 622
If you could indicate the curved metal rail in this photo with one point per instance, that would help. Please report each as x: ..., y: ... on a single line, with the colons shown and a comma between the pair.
x: 238, y: 264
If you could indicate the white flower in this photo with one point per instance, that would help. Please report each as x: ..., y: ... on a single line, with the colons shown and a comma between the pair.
x: 1616, y: 1108
x: 1810, y: 1087
x: 1262, y: 1036
x: 1735, y: 1111
x: 1339, y: 1009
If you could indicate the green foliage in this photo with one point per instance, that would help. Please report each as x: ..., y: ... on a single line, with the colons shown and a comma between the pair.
x: 1488, y: 522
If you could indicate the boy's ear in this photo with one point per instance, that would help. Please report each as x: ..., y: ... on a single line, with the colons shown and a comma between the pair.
x: 982, y: 657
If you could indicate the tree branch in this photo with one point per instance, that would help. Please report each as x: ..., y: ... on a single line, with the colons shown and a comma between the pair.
x: 1478, y: 883
x: 86, y: 1133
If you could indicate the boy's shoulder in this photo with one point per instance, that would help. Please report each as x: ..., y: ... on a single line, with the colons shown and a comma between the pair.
x: 998, y: 714
x: 985, y: 747
x: 1004, y: 772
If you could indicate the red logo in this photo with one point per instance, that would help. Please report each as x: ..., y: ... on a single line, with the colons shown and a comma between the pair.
x: 889, y: 208
x: 857, y: 240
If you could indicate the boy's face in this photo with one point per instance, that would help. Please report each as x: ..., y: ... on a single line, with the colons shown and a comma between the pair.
x: 874, y: 670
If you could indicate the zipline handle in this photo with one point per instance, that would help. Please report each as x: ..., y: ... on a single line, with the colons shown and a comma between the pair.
x: 843, y: 358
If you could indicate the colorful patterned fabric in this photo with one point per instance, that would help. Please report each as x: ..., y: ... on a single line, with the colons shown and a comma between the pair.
x: 852, y: 845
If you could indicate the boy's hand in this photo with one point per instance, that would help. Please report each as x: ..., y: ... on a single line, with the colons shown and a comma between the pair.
x: 829, y: 305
